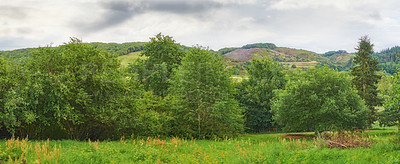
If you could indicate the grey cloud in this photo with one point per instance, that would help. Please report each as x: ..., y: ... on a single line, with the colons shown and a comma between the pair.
x: 184, y: 7
x: 11, y: 43
x: 24, y: 30
x: 13, y: 12
x: 118, y: 12
x: 375, y: 15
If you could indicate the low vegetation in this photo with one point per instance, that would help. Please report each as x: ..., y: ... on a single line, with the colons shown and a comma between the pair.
x: 249, y: 148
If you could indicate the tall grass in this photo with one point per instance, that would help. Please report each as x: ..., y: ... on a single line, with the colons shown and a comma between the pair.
x: 261, y: 148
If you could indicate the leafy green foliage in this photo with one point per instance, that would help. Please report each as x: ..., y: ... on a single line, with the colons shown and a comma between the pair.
x: 163, y: 55
x: 319, y: 99
x: 76, y: 84
x: 256, y: 93
x: 80, y: 91
x: 391, y: 114
x: 366, y: 77
x: 205, y: 106
x: 72, y: 91
x: 388, y: 67
x: 10, y: 75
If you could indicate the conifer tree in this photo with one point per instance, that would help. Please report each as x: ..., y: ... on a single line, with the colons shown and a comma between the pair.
x: 365, y: 76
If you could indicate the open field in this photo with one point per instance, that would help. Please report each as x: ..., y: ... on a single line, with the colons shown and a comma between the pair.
x: 249, y: 148
x: 130, y: 58
x: 299, y: 64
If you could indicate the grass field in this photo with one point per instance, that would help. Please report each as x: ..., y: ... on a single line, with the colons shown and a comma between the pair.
x: 288, y: 65
x: 129, y: 58
x: 249, y: 148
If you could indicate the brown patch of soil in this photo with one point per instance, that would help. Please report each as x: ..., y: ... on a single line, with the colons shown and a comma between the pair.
x: 298, y: 136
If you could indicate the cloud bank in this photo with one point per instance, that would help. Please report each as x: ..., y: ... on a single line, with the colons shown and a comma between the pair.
x: 317, y: 25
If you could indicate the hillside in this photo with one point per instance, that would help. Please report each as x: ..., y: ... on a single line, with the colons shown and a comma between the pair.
x: 129, y: 58
x: 388, y: 59
x: 119, y: 49
x: 239, y: 57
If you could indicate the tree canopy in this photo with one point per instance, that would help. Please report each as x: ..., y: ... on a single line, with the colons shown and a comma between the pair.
x: 256, y: 93
x: 319, y: 99
x: 155, y: 72
x: 202, y: 88
x: 391, y: 114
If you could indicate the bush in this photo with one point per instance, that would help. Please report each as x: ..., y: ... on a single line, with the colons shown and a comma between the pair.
x: 319, y: 99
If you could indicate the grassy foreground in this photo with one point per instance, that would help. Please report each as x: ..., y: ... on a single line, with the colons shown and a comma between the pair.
x: 258, y: 148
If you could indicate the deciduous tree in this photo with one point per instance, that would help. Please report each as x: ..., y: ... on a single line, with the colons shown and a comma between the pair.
x: 319, y: 99
x: 256, y: 93
x: 390, y: 116
x: 163, y: 55
x: 204, y: 95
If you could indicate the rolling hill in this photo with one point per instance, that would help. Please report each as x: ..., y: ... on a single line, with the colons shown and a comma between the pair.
x: 239, y: 57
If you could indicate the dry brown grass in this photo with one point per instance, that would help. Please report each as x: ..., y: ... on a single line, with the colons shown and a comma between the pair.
x: 16, y: 151
x: 343, y: 140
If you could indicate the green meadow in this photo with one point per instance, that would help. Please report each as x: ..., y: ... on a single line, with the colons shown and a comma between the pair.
x: 247, y: 148
x: 130, y: 58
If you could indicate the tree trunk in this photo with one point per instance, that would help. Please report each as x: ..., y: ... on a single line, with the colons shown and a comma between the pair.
x: 363, y: 89
x: 199, y: 122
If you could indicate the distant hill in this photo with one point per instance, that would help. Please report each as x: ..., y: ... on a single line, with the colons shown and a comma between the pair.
x: 239, y: 57
x: 248, y: 46
x: 388, y: 59
x: 119, y: 49
x: 289, y: 57
x: 19, y: 55
x: 242, y: 54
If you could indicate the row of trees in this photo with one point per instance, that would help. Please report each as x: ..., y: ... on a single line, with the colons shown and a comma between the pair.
x: 75, y: 91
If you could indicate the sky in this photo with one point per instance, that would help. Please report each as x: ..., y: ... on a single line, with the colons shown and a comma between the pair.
x: 316, y: 25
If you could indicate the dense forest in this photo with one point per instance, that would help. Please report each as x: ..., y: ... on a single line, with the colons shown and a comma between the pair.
x: 80, y: 91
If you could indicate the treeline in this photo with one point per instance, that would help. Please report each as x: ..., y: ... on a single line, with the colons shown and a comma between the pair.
x: 21, y: 55
x: 76, y: 91
x: 119, y: 49
x: 248, y: 46
x: 388, y: 59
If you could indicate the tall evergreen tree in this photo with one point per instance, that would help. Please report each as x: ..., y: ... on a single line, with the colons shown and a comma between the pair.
x: 365, y: 76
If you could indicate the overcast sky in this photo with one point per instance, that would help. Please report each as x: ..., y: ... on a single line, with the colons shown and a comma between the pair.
x: 316, y: 25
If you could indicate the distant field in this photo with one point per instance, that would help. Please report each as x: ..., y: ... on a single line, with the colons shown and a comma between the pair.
x: 239, y: 78
x: 126, y: 59
x: 249, y: 148
x: 300, y: 64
